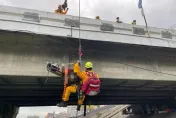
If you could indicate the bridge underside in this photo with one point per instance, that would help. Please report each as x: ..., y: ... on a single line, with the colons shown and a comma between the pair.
x: 33, y: 91
x: 131, y: 74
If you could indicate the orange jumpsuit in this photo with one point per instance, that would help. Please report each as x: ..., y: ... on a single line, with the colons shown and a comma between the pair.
x: 72, y: 89
x: 63, y: 12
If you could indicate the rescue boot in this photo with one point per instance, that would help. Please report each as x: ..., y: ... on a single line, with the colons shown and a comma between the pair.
x: 78, y: 107
x: 62, y: 104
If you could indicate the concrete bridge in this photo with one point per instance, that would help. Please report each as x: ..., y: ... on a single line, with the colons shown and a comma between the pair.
x: 134, y: 68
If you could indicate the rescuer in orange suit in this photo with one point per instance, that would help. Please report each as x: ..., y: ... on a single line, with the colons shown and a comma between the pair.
x: 62, y: 9
x: 73, y: 88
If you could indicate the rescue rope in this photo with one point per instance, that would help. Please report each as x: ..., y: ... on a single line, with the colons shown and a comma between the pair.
x: 65, y: 86
x: 80, y: 47
x: 47, y: 78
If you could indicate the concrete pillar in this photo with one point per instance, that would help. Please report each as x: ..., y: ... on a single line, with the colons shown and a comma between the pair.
x: 8, y: 111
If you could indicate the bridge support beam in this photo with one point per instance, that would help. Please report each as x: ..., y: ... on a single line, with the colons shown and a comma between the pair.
x: 8, y: 111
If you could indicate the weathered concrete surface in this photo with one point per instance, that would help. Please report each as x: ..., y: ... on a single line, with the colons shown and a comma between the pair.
x: 12, y: 19
x: 26, y: 55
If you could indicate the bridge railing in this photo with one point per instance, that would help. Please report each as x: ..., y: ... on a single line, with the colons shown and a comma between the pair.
x: 62, y: 25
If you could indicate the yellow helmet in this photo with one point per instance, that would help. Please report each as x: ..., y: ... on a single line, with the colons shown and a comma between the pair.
x: 88, y: 65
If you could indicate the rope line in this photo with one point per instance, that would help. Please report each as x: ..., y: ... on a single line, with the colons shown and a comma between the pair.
x: 80, y: 47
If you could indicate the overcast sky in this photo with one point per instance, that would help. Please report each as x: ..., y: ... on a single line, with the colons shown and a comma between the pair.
x: 159, y: 13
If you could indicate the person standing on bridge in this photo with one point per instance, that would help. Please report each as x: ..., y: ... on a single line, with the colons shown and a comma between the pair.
x: 134, y: 22
x: 62, y: 9
x: 97, y: 18
x: 84, y: 76
x: 118, y: 20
